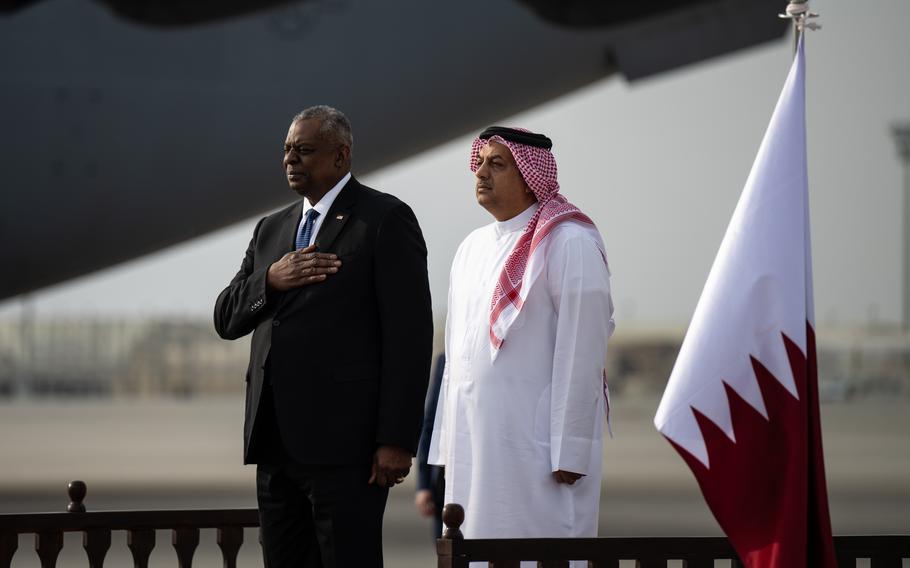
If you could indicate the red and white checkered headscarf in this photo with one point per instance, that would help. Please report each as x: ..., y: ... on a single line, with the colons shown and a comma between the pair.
x: 538, y: 168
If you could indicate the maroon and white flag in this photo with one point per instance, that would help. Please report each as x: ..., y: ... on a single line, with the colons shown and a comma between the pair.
x: 741, y: 405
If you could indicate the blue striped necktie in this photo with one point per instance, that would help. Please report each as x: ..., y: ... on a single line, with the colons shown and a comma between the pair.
x: 306, y: 230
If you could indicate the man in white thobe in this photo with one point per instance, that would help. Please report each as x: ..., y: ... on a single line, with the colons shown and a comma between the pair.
x: 520, y: 419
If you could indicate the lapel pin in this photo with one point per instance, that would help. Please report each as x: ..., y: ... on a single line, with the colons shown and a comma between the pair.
x: 339, y: 218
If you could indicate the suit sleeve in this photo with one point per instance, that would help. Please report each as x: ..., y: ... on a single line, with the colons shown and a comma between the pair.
x: 240, y: 306
x: 406, y: 327
x: 424, y: 469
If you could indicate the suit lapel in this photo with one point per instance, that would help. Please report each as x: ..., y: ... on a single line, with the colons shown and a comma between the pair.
x: 337, y: 216
x: 288, y: 236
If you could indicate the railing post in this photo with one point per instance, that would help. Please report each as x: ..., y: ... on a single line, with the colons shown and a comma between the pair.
x: 229, y: 541
x: 76, y: 491
x: 48, y: 545
x: 9, y: 542
x: 141, y: 543
x: 96, y: 543
x: 453, y: 517
x: 446, y: 555
x: 185, y: 542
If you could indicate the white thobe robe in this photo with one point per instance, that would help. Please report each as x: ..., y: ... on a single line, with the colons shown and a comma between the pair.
x: 504, y: 426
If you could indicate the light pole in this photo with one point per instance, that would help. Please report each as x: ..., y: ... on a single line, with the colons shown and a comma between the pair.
x: 902, y: 137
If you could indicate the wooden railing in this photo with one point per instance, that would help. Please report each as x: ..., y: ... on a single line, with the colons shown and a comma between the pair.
x: 140, y: 527
x: 454, y: 551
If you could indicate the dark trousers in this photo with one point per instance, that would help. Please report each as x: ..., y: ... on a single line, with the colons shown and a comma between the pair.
x: 320, y: 516
x: 314, y: 516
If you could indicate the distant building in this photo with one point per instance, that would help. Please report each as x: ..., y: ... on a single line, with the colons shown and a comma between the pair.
x: 185, y: 358
x: 105, y: 357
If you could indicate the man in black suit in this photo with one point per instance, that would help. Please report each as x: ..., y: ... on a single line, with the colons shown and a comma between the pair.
x: 335, y: 291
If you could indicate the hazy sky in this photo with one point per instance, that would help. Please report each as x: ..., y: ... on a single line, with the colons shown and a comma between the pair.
x: 658, y: 165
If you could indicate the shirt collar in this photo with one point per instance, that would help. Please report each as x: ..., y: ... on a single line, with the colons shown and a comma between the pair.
x: 324, y: 204
x: 516, y: 223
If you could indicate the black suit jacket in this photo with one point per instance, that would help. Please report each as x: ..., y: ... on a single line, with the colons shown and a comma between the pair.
x: 348, y: 358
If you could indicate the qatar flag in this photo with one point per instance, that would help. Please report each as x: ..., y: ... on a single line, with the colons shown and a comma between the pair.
x: 741, y: 405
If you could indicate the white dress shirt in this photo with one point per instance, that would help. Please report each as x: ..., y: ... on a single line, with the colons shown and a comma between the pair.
x: 322, y: 207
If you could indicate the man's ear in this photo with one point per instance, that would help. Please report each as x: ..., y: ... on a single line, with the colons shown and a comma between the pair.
x: 342, y: 156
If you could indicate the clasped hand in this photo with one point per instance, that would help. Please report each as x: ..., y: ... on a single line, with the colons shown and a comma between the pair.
x: 391, y: 465
x: 300, y: 268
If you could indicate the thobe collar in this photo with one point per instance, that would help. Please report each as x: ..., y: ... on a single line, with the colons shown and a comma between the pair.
x: 516, y: 223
